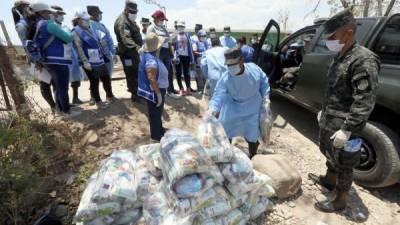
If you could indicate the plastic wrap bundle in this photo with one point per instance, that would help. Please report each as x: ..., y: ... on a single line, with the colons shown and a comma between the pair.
x: 151, y: 155
x: 156, y: 211
x: 212, y: 137
x: 254, y: 210
x: 147, y: 183
x: 88, y: 210
x: 181, y: 156
x: 235, y: 217
x: 115, y: 182
x: 266, y: 123
x: 221, y: 205
x: 264, y: 183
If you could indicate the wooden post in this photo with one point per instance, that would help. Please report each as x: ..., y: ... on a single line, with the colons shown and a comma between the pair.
x: 3, y: 27
x: 4, y: 91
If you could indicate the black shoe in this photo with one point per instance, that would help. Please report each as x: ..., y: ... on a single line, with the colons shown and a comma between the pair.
x: 92, y: 101
x: 193, y: 90
x: 327, y: 182
x: 336, y: 205
x: 77, y: 101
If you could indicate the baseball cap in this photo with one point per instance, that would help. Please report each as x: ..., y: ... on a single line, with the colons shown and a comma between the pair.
x: 232, y: 56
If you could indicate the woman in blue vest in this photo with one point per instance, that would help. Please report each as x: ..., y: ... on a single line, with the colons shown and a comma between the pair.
x: 153, y: 83
x: 183, y: 58
x: 56, y: 54
x: 87, y: 44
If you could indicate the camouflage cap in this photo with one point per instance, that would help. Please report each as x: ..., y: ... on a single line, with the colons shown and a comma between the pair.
x: 338, y: 21
x: 232, y: 56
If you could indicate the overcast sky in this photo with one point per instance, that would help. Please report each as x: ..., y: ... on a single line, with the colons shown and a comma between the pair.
x: 239, y: 14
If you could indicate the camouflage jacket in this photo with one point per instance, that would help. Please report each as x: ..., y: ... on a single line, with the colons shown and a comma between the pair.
x: 128, y: 36
x: 351, y: 90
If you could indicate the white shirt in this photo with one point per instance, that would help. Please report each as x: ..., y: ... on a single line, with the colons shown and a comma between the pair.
x: 183, y: 45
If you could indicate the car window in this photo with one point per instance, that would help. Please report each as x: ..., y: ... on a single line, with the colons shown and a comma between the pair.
x: 295, y: 48
x: 270, y: 41
x: 387, y: 45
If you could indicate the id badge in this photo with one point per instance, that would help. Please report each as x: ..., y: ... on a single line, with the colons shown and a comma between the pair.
x: 94, y: 55
x: 128, y: 62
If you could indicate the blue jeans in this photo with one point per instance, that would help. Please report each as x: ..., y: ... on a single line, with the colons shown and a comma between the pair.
x: 155, y: 117
x: 60, y: 75
x: 165, y: 57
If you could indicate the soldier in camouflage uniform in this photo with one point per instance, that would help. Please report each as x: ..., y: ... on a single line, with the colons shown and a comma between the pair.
x: 129, y: 42
x: 348, y: 102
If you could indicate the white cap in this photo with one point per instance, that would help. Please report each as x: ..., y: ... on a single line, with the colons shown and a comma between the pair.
x: 82, y: 14
x: 40, y: 6
x: 180, y: 23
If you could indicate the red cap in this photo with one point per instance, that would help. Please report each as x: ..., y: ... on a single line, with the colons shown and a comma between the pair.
x: 160, y: 15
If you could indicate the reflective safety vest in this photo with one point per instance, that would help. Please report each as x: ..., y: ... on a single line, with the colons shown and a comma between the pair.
x: 54, y: 50
x: 91, y: 46
x: 144, y: 89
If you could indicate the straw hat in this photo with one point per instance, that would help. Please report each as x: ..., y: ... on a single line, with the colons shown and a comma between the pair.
x: 152, y: 42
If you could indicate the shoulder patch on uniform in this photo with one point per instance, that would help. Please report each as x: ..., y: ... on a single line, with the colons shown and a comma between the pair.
x: 362, y: 84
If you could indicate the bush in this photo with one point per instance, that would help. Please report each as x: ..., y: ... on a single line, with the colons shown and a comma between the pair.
x: 29, y: 150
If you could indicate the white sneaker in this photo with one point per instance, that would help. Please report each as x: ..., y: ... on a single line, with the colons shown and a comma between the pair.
x: 174, y: 96
x: 71, y: 114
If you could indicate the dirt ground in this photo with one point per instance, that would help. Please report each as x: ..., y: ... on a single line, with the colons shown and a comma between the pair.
x: 124, y: 125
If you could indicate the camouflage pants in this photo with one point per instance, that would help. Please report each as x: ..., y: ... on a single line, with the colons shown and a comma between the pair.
x: 338, y: 161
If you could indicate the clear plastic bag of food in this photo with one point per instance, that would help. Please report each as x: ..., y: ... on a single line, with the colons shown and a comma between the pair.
x: 131, y: 216
x: 88, y: 210
x: 115, y: 182
x: 151, y: 155
x: 255, y: 210
x: 212, y: 137
x: 146, y: 182
x: 240, y: 169
x: 234, y: 217
x: 188, y: 206
x: 266, y: 123
x: 182, y: 155
x: 156, y: 211
x: 263, y: 185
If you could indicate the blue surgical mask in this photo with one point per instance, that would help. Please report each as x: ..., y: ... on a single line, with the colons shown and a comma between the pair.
x: 234, y: 69
x: 60, y: 18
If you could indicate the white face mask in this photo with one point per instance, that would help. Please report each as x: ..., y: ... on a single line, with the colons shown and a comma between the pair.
x: 51, y: 16
x: 181, y: 29
x: 160, y: 23
x: 85, y: 24
x: 202, y: 38
x: 234, y: 70
x: 253, y: 41
x: 60, y: 19
x: 334, y: 45
x: 100, y: 17
x: 132, y: 17
x: 227, y: 34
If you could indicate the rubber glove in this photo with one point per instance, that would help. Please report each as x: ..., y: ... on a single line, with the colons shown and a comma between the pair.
x: 159, y: 99
x: 319, y: 116
x: 340, y: 138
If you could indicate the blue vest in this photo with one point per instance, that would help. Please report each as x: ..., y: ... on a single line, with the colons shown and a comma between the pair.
x: 144, y: 89
x: 91, y: 46
x: 57, y: 52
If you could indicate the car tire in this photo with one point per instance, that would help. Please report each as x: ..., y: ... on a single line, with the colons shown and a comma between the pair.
x: 385, y: 144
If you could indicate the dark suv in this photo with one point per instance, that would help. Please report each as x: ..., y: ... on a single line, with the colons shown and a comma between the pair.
x: 297, y: 69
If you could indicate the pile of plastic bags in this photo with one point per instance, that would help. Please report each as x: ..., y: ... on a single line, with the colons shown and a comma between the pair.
x: 183, y: 180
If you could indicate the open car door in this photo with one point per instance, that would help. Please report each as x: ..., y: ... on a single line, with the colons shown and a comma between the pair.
x: 267, y: 56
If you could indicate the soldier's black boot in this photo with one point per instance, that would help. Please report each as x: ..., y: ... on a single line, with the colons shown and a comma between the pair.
x: 337, y: 204
x: 328, y: 181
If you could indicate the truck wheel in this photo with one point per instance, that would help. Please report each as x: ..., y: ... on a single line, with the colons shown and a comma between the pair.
x: 380, y: 163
